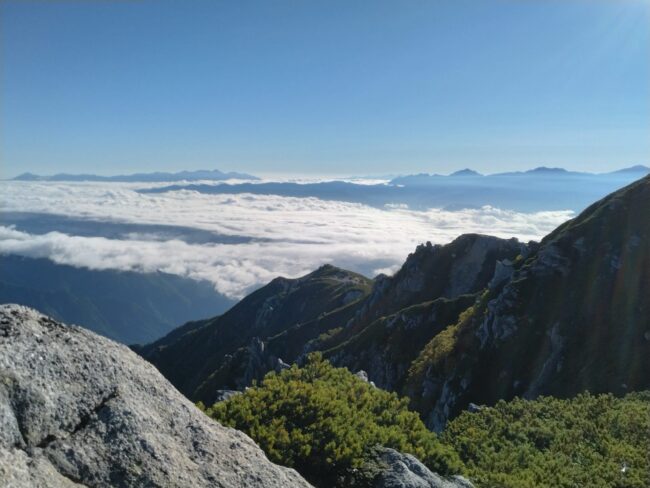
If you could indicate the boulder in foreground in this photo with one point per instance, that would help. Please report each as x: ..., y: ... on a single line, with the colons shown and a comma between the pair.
x: 77, y: 409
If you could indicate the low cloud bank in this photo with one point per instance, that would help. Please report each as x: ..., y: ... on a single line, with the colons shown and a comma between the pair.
x: 289, y: 236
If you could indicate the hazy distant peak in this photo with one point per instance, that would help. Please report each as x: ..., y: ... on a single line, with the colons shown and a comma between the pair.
x: 542, y: 171
x: 639, y: 168
x: 28, y: 177
x: 546, y: 169
x: 466, y: 172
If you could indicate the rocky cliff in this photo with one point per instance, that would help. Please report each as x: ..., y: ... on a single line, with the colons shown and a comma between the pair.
x: 78, y: 410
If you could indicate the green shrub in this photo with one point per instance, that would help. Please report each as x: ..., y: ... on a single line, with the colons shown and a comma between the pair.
x: 323, y: 421
x: 591, y: 441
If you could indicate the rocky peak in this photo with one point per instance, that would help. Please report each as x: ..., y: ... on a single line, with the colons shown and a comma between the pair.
x: 466, y: 172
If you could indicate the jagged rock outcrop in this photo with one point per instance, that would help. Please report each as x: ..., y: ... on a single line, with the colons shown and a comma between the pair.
x: 391, y: 326
x: 78, y: 410
x: 397, y: 470
x: 464, y: 266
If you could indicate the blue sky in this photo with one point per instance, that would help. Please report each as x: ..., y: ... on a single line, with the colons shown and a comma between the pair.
x: 323, y: 87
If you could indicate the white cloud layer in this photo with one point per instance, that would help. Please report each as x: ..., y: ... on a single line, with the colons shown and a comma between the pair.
x: 291, y: 236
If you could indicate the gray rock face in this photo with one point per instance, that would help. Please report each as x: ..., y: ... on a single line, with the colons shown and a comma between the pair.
x: 405, y: 471
x: 362, y: 375
x: 223, y: 395
x: 77, y: 409
x: 464, y: 266
x: 502, y: 272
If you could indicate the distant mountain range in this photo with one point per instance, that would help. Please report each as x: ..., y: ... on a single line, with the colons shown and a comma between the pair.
x: 128, y: 307
x: 539, y: 189
x: 638, y: 169
x: 423, y: 178
x: 213, y: 174
x: 474, y: 321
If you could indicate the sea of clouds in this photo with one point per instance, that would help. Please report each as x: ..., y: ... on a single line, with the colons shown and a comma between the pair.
x: 283, y: 235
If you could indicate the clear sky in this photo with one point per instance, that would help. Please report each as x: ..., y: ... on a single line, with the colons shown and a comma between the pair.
x: 323, y: 87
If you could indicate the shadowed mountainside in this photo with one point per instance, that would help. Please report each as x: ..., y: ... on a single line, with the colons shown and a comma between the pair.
x: 125, y: 306
x: 573, y: 316
x: 191, y: 359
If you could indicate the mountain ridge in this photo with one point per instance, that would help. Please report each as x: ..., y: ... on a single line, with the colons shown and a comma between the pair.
x: 535, y: 191
x: 428, y: 274
x: 266, y: 312
x: 446, y: 326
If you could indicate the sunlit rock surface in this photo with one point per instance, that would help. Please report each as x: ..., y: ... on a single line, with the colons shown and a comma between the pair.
x: 77, y: 409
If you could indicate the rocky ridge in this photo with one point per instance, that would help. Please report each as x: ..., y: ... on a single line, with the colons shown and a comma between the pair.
x: 229, y: 351
x: 362, y: 325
